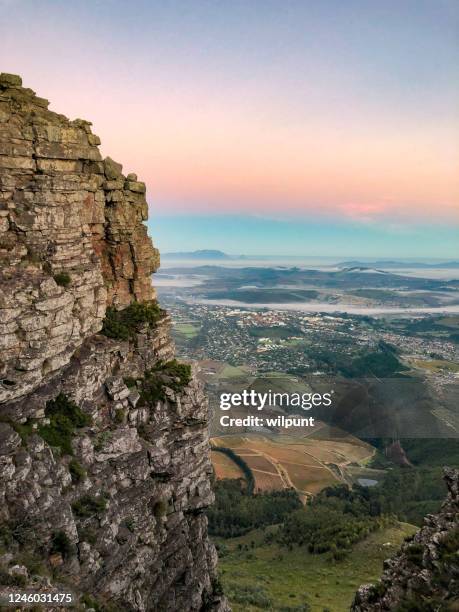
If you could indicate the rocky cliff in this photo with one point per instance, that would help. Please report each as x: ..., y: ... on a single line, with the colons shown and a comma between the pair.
x: 103, y: 436
x: 424, y: 576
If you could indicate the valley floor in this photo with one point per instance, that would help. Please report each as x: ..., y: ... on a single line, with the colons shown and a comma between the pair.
x: 270, y: 577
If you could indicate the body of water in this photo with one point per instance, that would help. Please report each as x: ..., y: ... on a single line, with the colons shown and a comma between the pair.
x: 367, y: 482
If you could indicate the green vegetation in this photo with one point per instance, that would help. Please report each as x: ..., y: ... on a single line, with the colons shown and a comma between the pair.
x: 334, y: 521
x: 160, y: 508
x: 60, y: 543
x: 442, y: 576
x: 449, y: 546
x: 436, y: 365
x: 101, y: 439
x: 432, y: 452
x: 77, y: 471
x: 247, y: 594
x: 239, y: 461
x: 65, y: 417
x: 99, y: 605
x: 15, y: 580
x: 129, y: 523
x: 275, y: 333
x: 16, y: 533
x: 88, y: 506
x: 87, y: 534
x: 90, y: 602
x: 234, y: 373
x: 256, y: 563
x: 125, y: 324
x: 424, y: 604
x: 170, y: 374
x: 414, y: 553
x: 62, y: 278
x: 189, y: 330
x: 235, y: 512
x: 6, y: 536
x: 381, y: 363
x: 120, y: 415
x: 19, y: 537
x: 445, y: 327
x: 24, y: 430
x: 410, y: 494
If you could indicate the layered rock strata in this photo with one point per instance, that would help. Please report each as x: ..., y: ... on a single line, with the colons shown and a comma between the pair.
x: 63, y: 212
x: 118, y: 516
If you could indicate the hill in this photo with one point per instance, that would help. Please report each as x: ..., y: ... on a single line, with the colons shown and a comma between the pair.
x: 399, y: 264
x: 259, y: 575
x: 201, y: 254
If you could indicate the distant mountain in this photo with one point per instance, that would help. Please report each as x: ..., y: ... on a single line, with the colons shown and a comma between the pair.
x: 363, y: 270
x: 399, y: 264
x: 202, y: 254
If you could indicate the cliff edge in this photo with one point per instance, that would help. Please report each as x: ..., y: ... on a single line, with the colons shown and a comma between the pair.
x: 424, y: 576
x: 104, y: 448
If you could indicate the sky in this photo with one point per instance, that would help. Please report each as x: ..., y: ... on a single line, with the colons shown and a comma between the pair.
x: 307, y: 127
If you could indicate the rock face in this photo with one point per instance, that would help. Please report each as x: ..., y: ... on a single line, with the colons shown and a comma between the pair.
x: 67, y: 214
x: 424, y: 575
x: 102, y: 489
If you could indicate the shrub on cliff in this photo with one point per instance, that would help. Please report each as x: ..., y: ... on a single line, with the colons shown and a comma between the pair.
x: 160, y: 508
x: 170, y: 374
x: 88, y: 506
x: 64, y: 416
x: 77, y: 471
x: 124, y: 324
x: 62, y: 278
x: 12, y: 580
x: 60, y: 543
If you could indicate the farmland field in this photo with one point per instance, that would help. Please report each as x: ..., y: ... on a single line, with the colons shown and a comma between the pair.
x: 225, y: 467
x: 436, y: 365
x: 299, y: 461
x: 267, y: 482
x: 189, y: 330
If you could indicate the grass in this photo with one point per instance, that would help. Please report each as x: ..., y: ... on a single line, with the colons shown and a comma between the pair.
x: 230, y: 372
x: 293, y: 578
x: 188, y: 330
x: 436, y: 365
